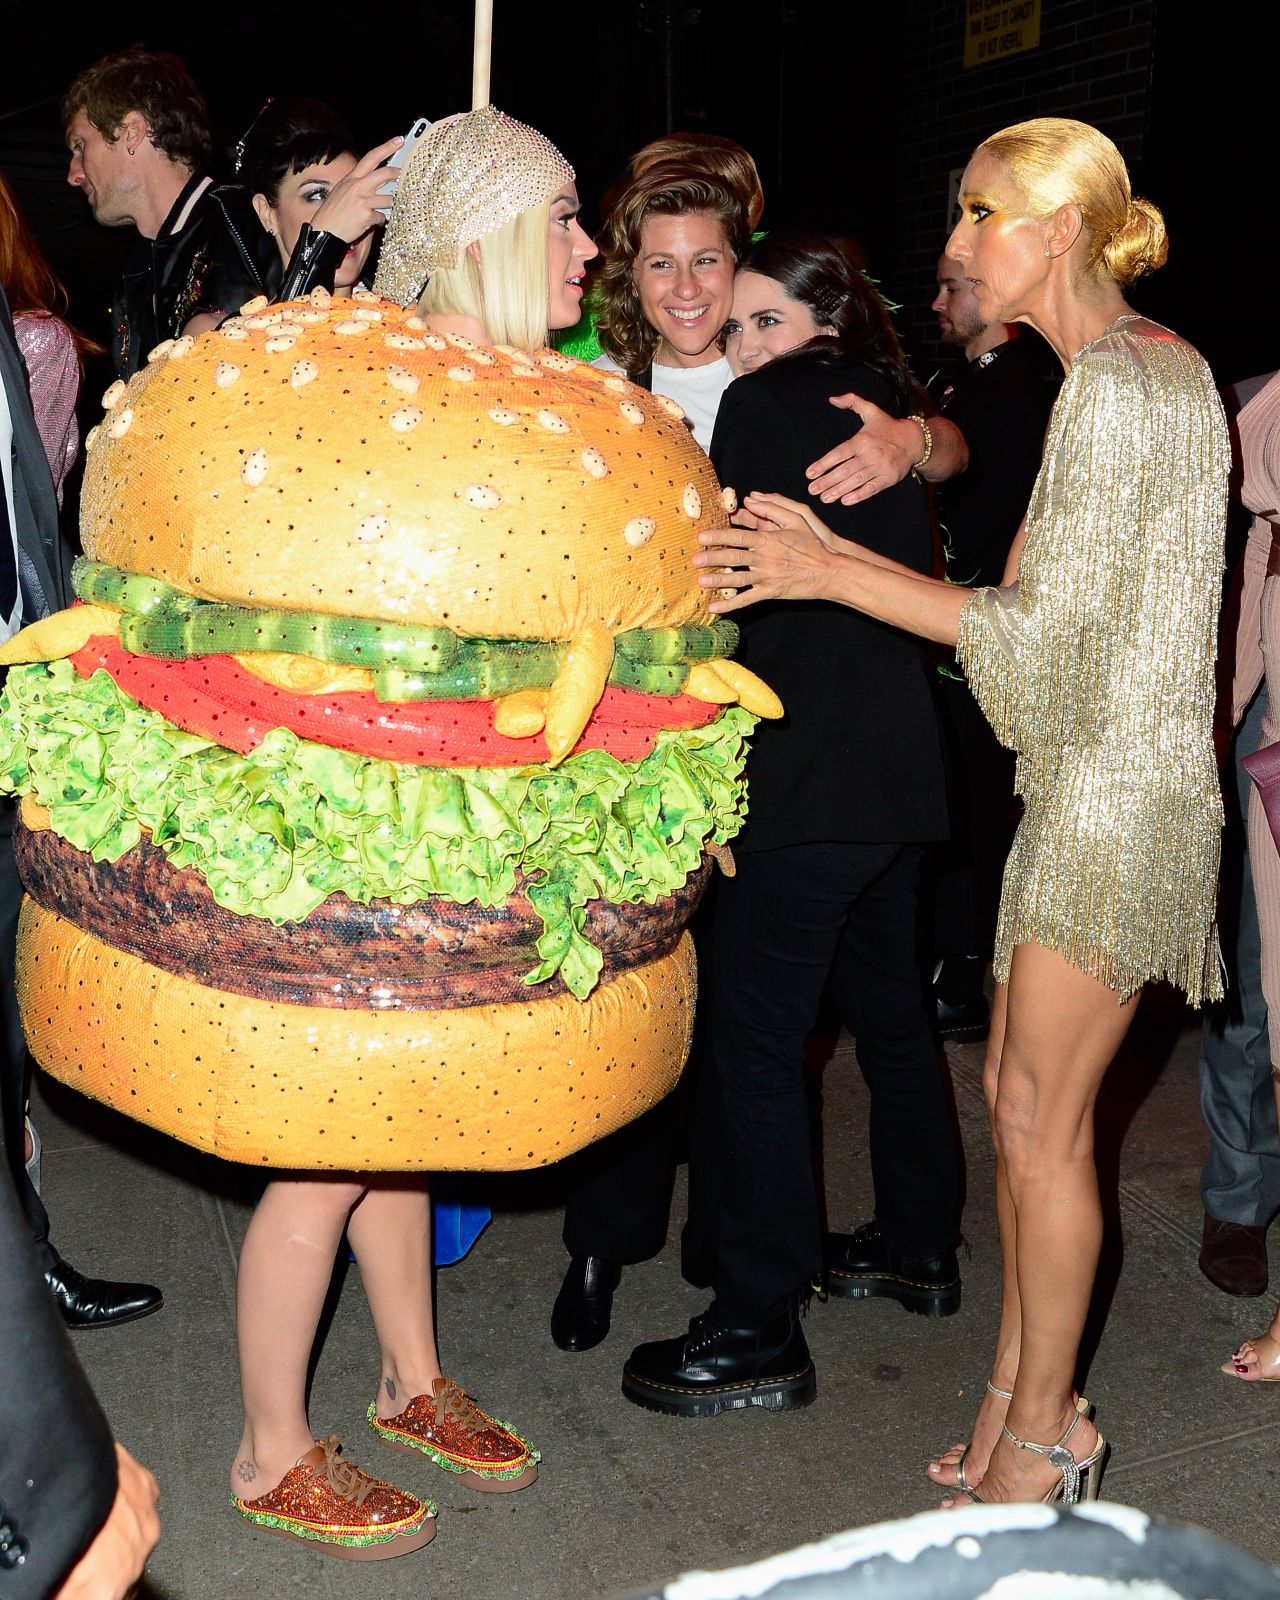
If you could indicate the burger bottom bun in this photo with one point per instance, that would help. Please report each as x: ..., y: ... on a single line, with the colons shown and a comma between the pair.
x: 483, y: 1088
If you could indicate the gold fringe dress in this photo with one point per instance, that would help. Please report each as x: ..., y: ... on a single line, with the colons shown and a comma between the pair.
x: 1097, y: 667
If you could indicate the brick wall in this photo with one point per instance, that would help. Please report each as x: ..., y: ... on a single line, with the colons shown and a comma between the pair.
x: 1093, y: 62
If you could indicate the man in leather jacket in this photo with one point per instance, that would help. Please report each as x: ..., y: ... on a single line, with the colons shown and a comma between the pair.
x: 137, y: 130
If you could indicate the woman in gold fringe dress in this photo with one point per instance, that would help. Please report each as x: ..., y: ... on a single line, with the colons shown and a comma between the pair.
x: 1095, y: 663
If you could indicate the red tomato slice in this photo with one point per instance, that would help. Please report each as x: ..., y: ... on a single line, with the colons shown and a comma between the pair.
x: 215, y: 697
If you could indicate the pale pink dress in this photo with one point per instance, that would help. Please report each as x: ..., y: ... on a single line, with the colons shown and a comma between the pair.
x: 1258, y: 653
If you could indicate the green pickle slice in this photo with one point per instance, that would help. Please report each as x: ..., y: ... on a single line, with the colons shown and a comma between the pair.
x: 409, y: 662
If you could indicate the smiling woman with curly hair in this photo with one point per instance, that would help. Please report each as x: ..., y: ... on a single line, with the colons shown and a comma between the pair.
x: 665, y: 286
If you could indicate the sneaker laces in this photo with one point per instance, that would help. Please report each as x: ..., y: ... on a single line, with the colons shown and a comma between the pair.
x: 453, y: 1403
x: 343, y: 1477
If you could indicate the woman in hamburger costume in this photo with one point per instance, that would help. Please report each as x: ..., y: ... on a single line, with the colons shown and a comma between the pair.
x: 369, y: 791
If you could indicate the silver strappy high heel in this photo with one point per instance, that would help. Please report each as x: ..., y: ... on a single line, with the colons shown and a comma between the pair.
x: 961, y: 1481
x: 1077, y: 1477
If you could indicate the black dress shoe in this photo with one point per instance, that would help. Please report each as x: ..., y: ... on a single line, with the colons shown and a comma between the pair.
x: 1233, y: 1256
x: 861, y: 1266
x: 959, y: 1003
x: 98, y: 1302
x: 580, y: 1316
x: 716, y: 1368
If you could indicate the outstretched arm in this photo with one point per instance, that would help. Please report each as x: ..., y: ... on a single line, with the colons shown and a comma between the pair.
x: 882, y: 452
x: 111, y: 1566
x: 788, y: 553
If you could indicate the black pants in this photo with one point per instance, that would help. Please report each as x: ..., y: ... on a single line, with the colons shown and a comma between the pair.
x: 964, y: 874
x: 13, y: 1043
x: 787, y: 920
x: 620, y: 1201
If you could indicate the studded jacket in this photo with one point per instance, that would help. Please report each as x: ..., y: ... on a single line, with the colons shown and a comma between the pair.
x: 211, y: 255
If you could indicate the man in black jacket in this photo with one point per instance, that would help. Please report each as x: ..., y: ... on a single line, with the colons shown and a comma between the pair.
x: 137, y: 130
x: 33, y: 582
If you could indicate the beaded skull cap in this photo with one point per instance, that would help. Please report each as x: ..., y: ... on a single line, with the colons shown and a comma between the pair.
x: 470, y: 176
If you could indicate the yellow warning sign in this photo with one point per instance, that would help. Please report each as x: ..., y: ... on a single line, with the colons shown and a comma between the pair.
x: 995, y: 28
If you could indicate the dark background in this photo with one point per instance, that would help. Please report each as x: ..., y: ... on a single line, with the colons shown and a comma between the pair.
x: 855, y: 111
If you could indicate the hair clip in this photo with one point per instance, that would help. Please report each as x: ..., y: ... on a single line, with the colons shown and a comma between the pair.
x: 829, y: 300
x: 244, y: 137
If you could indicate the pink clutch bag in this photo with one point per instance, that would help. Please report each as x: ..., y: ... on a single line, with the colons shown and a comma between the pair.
x: 1263, y: 766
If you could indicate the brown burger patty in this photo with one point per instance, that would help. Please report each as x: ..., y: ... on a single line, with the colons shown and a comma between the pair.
x: 434, y: 954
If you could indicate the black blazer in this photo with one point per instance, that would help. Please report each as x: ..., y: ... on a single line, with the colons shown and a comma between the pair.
x: 57, y: 1462
x: 857, y: 756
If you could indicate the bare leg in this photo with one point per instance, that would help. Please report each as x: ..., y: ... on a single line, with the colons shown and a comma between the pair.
x: 1062, y: 1030
x: 1004, y: 1370
x: 390, y: 1232
x: 285, y: 1267
x: 1260, y: 1357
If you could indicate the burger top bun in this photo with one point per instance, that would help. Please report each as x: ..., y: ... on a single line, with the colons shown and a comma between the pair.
x: 336, y: 456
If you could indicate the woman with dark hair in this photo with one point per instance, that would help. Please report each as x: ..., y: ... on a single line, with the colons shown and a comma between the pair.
x: 1095, y: 662
x: 317, y: 199
x: 845, y: 793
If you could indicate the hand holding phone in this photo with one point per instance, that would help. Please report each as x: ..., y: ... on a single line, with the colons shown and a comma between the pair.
x: 402, y: 155
x: 354, y: 205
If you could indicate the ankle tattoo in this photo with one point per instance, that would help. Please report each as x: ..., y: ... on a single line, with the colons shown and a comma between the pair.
x: 390, y: 1388
x: 246, y: 1471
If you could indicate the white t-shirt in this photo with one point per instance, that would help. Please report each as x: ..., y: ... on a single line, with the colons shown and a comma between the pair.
x: 696, y: 390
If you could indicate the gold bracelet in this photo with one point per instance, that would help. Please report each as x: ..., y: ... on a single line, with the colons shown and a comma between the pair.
x: 928, y: 440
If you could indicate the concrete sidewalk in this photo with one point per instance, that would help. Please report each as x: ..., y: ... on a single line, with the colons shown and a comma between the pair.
x: 626, y: 1496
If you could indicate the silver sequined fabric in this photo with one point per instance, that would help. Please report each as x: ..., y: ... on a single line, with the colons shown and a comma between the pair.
x: 1096, y: 666
x: 469, y: 176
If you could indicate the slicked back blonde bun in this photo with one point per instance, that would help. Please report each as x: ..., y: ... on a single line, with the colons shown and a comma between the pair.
x: 1138, y: 245
x: 1058, y: 161
x: 336, y: 456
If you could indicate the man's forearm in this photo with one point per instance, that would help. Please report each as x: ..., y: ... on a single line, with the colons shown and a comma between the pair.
x: 950, y: 454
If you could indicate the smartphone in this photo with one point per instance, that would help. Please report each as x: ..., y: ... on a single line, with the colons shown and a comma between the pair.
x: 402, y: 154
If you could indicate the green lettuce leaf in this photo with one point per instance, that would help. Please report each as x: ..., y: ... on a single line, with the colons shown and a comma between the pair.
x: 277, y: 831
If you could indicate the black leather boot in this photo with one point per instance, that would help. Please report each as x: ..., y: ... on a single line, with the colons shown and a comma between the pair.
x: 861, y: 1266
x: 961, y: 1006
x: 716, y: 1368
x: 580, y: 1316
x: 99, y: 1302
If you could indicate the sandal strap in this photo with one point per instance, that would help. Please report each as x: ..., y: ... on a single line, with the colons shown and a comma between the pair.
x: 1058, y: 1454
x: 1000, y: 1394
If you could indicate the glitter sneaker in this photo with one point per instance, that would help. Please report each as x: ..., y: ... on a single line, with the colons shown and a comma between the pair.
x: 450, y: 1427
x: 326, y: 1501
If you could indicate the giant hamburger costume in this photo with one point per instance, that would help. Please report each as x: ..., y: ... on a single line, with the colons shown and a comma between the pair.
x: 367, y: 792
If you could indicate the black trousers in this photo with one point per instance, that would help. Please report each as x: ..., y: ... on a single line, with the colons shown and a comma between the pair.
x: 964, y: 873
x: 619, y: 1200
x: 13, y: 1043
x: 790, y: 918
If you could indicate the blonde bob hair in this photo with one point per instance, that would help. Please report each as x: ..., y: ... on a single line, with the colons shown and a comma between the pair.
x: 501, y: 281
x: 1057, y: 161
